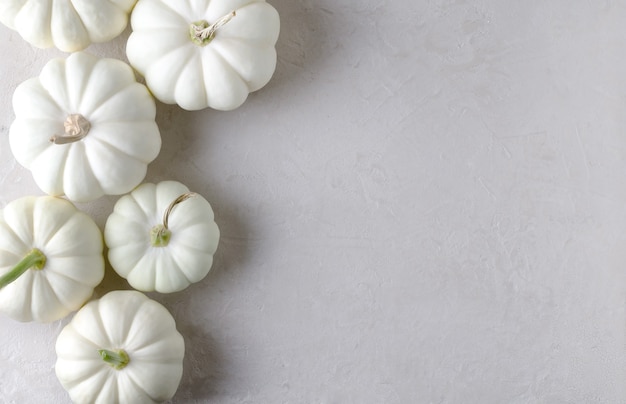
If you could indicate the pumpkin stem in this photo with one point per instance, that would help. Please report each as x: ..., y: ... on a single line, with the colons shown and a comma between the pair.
x: 35, y: 259
x: 202, y: 33
x: 160, y: 234
x: 117, y: 359
x: 76, y: 128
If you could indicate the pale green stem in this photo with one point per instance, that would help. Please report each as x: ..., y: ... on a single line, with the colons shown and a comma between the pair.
x: 35, y: 259
x: 117, y: 359
x: 160, y: 234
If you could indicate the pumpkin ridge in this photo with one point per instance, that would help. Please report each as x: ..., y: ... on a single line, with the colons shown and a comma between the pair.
x: 112, y: 384
x: 39, y: 284
x: 60, y: 100
x: 98, y: 317
x: 116, y: 149
x: 228, y: 65
x: 40, y: 23
x: 208, y: 226
x: 127, y: 219
x: 75, y: 381
x: 127, y: 264
x: 179, y: 68
x: 17, y: 237
x: 125, y: 92
x: 154, y: 337
x: 15, y: 210
x: 147, y: 212
x: 100, y: 378
x: 33, y: 89
x: 193, y: 279
x: 11, y: 23
x: 54, y: 271
x: 87, y: 169
x: 75, y: 19
x: 114, y: 133
x: 53, y: 233
x: 65, y: 151
x: 169, y: 8
x: 178, y: 267
x: 53, y: 291
x: 193, y: 58
x: 26, y: 285
x: 140, y: 269
x: 79, y: 335
x: 131, y: 379
x: 232, y: 93
x: 84, y: 82
x: 153, y: 34
x: 219, y: 51
x: 101, y: 68
x: 13, y: 256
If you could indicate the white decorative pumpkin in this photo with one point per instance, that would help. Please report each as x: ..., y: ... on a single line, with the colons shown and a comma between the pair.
x: 50, y: 258
x: 161, y: 237
x: 123, y: 348
x: 68, y: 25
x: 204, y: 53
x: 85, y: 128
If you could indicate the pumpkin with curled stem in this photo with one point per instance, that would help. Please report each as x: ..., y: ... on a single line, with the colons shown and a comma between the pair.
x: 50, y: 258
x: 85, y: 127
x: 161, y: 237
x: 68, y: 25
x: 204, y: 53
x: 123, y: 348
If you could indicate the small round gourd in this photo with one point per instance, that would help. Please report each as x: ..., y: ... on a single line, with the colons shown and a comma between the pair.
x: 161, y: 237
x: 123, y: 348
x: 85, y: 128
x: 50, y: 258
x: 69, y: 25
x: 204, y: 53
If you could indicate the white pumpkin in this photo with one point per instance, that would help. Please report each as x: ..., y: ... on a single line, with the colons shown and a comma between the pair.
x: 50, y: 258
x: 161, y: 237
x: 204, y: 53
x: 85, y: 128
x: 123, y: 348
x: 68, y: 25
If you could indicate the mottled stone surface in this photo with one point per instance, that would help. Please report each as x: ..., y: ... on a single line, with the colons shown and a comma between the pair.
x: 426, y: 204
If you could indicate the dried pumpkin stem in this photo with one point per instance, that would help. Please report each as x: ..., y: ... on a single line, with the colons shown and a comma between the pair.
x: 35, y: 259
x: 202, y: 32
x: 117, y: 359
x: 76, y: 128
x: 160, y: 234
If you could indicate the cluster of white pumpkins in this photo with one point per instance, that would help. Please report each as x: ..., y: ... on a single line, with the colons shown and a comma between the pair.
x: 86, y: 128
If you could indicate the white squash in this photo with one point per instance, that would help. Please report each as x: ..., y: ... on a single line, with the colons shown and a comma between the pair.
x: 85, y: 128
x: 204, y: 53
x: 161, y: 237
x: 123, y: 348
x: 50, y: 258
x: 68, y: 25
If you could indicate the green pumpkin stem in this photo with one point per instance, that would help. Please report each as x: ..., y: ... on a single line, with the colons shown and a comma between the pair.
x: 160, y: 234
x: 35, y: 259
x: 117, y: 359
